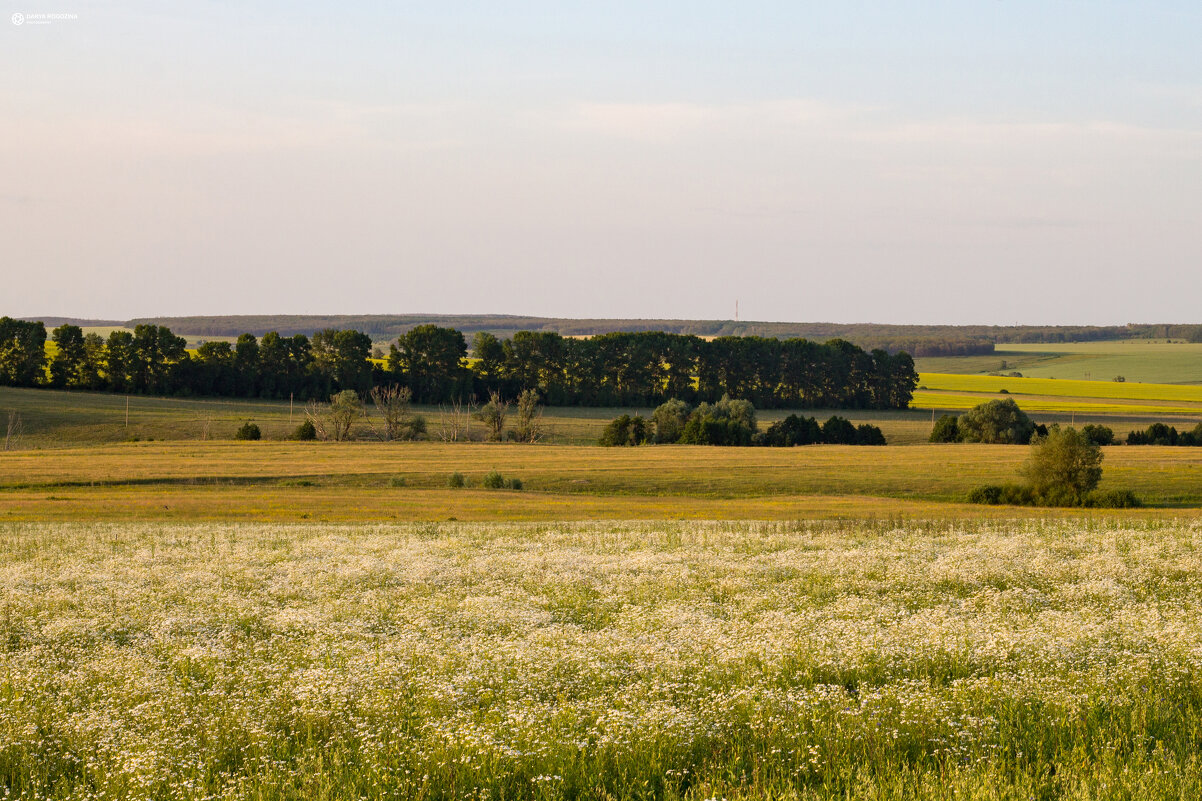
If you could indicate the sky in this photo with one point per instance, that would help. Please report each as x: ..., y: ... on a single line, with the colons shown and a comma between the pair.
x: 989, y: 161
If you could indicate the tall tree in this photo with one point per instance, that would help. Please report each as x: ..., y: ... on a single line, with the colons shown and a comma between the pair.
x: 22, y: 352
x: 70, y: 354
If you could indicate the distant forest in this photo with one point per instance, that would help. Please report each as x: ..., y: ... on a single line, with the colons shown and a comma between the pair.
x: 917, y: 340
x: 613, y: 369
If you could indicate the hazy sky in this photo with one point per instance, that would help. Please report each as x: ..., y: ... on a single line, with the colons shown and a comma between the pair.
x: 930, y: 162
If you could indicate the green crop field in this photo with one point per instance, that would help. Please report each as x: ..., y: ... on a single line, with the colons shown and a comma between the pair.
x: 1137, y: 360
x: 1048, y: 660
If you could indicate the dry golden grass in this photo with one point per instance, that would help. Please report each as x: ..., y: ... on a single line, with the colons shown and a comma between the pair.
x: 366, y: 481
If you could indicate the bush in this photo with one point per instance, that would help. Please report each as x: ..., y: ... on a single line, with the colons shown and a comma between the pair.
x: 624, y: 430
x: 515, y: 483
x: 305, y: 432
x: 1111, y: 499
x: 996, y: 422
x: 248, y: 431
x: 493, y: 480
x: 868, y: 434
x: 455, y: 481
x: 1002, y: 495
x: 669, y: 419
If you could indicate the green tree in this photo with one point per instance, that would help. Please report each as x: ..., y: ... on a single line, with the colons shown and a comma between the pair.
x: 430, y: 360
x: 529, y: 413
x: 492, y: 414
x: 341, y: 357
x: 670, y: 418
x: 998, y: 422
x: 1063, y: 467
x: 947, y: 429
x: 22, y: 352
x: 67, y: 366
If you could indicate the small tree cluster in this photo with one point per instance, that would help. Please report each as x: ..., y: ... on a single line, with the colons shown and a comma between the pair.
x: 732, y: 421
x: 795, y: 430
x: 1161, y: 434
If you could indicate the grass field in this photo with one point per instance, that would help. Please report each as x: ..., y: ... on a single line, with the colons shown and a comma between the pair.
x: 1046, y: 660
x: 1137, y: 360
x: 68, y: 419
x: 53, y: 419
x: 408, y: 481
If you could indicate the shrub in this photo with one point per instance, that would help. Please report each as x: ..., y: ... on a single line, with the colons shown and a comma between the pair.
x: 1111, y: 499
x: 515, y: 483
x: 624, y: 430
x: 248, y: 431
x: 946, y: 429
x: 493, y: 480
x: 996, y: 422
x: 669, y: 419
x: 455, y: 481
x: 305, y: 432
x: 1002, y: 495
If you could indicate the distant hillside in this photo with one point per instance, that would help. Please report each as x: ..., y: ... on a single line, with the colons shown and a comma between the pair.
x: 83, y: 322
x: 390, y: 326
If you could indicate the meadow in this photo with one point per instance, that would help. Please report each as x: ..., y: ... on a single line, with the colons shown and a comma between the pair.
x: 1007, y: 660
x: 273, y: 481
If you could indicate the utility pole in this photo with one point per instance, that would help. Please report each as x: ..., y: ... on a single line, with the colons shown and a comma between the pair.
x: 127, y: 411
x: 290, y: 408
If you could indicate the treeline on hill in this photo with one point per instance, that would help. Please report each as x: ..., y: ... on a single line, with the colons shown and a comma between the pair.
x: 617, y: 369
x: 917, y: 340
x: 731, y: 421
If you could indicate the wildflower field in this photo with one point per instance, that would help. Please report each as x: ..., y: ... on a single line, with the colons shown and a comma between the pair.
x: 1023, y: 659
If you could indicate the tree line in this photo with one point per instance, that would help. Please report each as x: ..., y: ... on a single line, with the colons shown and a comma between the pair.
x: 615, y: 369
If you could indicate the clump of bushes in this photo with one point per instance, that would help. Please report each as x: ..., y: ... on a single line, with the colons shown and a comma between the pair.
x: 248, y: 431
x: 494, y: 480
x: 456, y: 481
x: 731, y: 421
x: 625, y: 430
x: 1064, y: 469
x: 1161, y: 434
